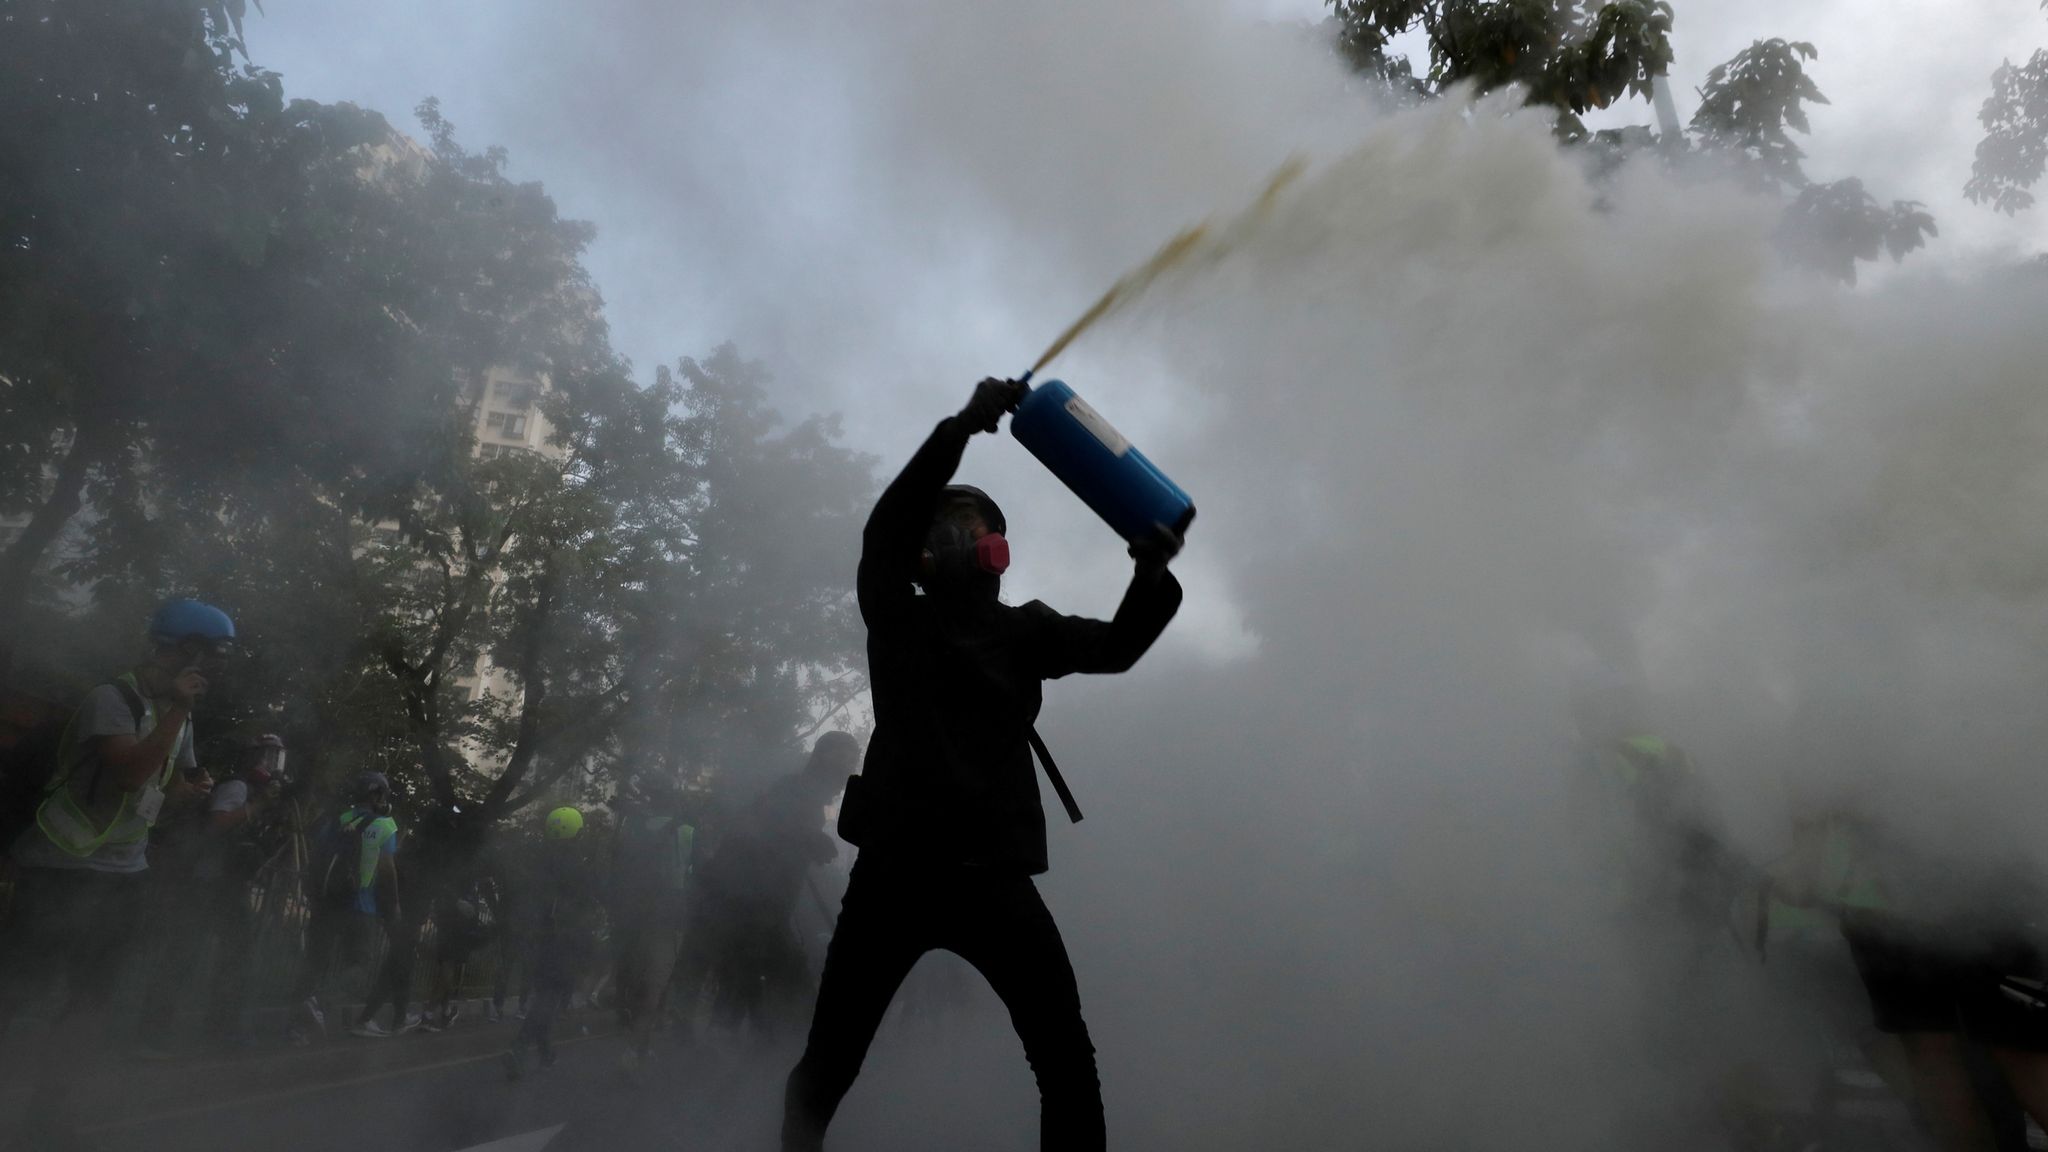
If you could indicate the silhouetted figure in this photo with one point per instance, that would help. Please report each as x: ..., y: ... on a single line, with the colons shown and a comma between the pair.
x: 750, y: 887
x: 566, y: 928
x: 946, y: 813
x: 351, y: 895
x: 652, y: 856
x: 242, y: 831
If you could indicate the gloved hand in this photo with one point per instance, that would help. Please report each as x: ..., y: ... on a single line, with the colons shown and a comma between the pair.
x: 1153, y: 551
x: 992, y: 398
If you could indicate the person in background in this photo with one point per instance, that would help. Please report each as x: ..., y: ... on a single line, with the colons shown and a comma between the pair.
x: 354, y: 856
x: 125, y: 758
x: 756, y: 878
x: 379, y: 900
x: 465, y: 912
x: 652, y: 857
x: 566, y: 902
x: 233, y: 848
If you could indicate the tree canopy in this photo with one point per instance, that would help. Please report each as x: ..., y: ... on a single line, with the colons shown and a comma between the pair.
x: 2015, y: 145
x: 1575, y: 56
x: 243, y: 343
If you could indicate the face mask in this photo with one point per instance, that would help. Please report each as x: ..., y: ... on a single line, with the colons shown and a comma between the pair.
x: 992, y: 554
x: 949, y: 552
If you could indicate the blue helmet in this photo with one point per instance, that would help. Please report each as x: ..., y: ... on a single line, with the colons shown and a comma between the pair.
x: 190, y: 620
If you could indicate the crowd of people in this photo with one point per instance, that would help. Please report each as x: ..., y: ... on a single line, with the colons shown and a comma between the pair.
x: 137, y: 884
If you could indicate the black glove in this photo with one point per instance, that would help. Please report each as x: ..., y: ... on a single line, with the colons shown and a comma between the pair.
x: 1154, y: 550
x: 992, y: 398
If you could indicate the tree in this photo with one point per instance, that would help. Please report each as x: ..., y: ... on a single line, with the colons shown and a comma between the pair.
x: 1567, y: 55
x: 2015, y: 145
x: 668, y: 594
x: 1746, y: 109
x: 1577, y: 55
x: 210, y: 289
x: 241, y: 346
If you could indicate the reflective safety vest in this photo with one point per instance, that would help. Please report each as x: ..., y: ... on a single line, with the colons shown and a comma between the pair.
x: 370, y: 831
x: 80, y: 816
x: 375, y: 833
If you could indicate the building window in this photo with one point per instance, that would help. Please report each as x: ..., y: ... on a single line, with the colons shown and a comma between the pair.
x: 510, y: 425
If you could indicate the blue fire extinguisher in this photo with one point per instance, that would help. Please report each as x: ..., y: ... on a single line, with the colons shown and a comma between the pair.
x: 1090, y: 457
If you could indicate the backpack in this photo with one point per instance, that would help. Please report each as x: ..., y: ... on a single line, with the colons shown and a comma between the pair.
x: 31, y: 738
x: 336, y: 856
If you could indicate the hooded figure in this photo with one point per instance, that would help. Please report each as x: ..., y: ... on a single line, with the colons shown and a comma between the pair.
x: 946, y: 812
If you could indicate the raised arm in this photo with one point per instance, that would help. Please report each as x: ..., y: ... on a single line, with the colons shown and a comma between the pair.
x: 1069, y: 644
x: 894, y: 538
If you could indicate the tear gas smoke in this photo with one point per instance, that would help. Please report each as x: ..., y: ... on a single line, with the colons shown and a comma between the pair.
x: 1464, y: 426
x: 1474, y: 426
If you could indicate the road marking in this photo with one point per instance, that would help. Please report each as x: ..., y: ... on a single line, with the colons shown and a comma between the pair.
x: 315, y: 1090
x: 530, y: 1142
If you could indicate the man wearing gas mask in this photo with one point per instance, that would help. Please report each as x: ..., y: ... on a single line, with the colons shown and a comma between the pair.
x: 946, y: 813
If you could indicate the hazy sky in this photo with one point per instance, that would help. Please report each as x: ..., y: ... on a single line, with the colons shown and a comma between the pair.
x: 720, y: 150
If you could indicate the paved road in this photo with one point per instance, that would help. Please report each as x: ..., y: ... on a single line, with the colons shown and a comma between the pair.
x: 925, y: 1089
x: 446, y: 1092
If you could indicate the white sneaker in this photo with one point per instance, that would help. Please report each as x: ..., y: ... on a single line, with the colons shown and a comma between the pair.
x: 412, y: 1022
x: 371, y: 1029
x: 311, y: 1005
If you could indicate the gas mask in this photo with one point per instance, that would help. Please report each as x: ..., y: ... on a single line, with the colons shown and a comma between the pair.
x: 951, y: 552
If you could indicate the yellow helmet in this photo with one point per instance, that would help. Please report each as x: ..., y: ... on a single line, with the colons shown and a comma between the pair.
x: 564, y: 824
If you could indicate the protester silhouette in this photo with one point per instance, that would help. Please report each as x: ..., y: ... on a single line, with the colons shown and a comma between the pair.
x: 946, y: 813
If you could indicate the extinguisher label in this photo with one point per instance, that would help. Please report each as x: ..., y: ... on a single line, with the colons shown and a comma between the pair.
x: 1092, y: 420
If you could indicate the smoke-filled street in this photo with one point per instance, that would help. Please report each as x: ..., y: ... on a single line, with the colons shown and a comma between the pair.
x: 1171, y: 574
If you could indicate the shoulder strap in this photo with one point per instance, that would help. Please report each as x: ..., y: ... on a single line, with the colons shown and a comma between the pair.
x: 1052, y: 770
x: 1052, y: 773
x: 137, y: 709
x: 131, y: 695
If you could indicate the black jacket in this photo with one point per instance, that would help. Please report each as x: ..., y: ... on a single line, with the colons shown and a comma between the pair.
x: 956, y: 686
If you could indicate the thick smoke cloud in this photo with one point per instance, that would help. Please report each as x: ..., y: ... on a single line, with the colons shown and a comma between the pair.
x: 1464, y: 428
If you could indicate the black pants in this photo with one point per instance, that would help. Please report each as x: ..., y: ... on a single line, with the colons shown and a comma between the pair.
x: 393, y: 982
x: 337, y: 938
x: 895, y: 912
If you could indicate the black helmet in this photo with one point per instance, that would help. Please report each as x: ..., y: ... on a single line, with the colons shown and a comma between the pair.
x: 990, y: 511
x: 835, y: 754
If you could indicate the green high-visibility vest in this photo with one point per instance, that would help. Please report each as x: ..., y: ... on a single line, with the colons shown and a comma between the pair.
x: 373, y: 832
x: 65, y: 820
